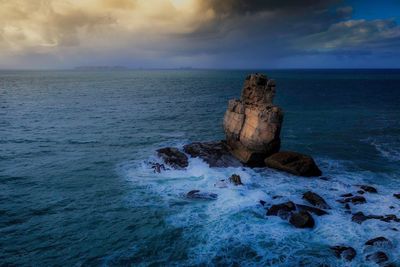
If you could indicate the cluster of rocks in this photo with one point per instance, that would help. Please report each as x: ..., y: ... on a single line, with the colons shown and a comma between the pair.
x: 252, y: 126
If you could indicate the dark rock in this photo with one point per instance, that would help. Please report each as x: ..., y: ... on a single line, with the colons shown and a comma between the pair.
x: 294, y: 163
x: 378, y: 241
x: 391, y: 207
x: 196, y: 194
x: 314, y: 210
x: 347, y: 195
x: 262, y: 202
x: 369, y: 189
x: 216, y: 154
x: 377, y: 257
x: 275, y: 197
x: 324, y: 178
x: 354, y: 200
x: 389, y: 218
x: 252, y: 124
x: 397, y: 195
x: 347, y: 253
x: 302, y: 219
x: 173, y: 157
x: 315, y: 200
x: 361, y: 192
x: 285, y: 207
x: 347, y: 206
x: 235, y: 179
x: 360, y: 217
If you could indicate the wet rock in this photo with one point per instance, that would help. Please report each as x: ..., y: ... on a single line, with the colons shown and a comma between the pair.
x: 355, y: 200
x: 262, y: 202
x: 313, y: 210
x: 302, y: 219
x: 157, y: 167
x: 369, y: 189
x: 347, y: 253
x: 275, y: 197
x: 316, y: 200
x: 252, y: 124
x: 235, y: 179
x: 284, y: 207
x: 347, y: 195
x: 377, y: 257
x: 361, y: 192
x: 389, y: 218
x: 197, y: 194
x: 216, y: 154
x: 378, y: 241
x: 173, y: 157
x: 347, y: 206
x: 359, y: 217
x: 294, y: 163
x: 397, y: 195
x: 391, y: 207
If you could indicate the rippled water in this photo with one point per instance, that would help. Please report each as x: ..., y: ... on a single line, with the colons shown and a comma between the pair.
x: 75, y: 189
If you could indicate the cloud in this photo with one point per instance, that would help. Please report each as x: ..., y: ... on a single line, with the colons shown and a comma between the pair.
x: 173, y: 33
x: 354, y: 35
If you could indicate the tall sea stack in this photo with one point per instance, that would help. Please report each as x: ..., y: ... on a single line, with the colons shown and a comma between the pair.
x: 252, y: 124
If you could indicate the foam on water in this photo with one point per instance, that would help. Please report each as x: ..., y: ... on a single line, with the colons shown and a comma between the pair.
x: 234, y: 228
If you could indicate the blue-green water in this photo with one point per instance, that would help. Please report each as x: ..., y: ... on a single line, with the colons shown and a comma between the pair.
x: 75, y: 189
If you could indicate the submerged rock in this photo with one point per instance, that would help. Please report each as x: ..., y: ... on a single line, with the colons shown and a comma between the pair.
x: 294, y: 163
x: 197, y: 194
x: 216, y: 154
x: 360, y: 217
x: 157, y: 167
x: 235, y: 179
x: 347, y: 253
x: 354, y: 200
x: 173, y: 157
x: 378, y: 241
x: 302, y: 219
x: 252, y: 124
x: 377, y: 257
x: 397, y: 195
x: 316, y: 200
x: 369, y: 189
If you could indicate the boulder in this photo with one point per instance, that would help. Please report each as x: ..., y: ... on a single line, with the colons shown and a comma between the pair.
x: 274, y: 210
x: 347, y: 253
x: 216, y: 154
x: 252, y: 124
x: 235, y: 179
x: 369, y: 189
x: 197, y: 194
x: 397, y: 195
x: 302, y: 219
x: 377, y: 257
x: 294, y: 163
x: 173, y: 157
x: 316, y: 200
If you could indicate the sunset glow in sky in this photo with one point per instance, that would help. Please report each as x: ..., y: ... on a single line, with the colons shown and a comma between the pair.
x: 199, y: 33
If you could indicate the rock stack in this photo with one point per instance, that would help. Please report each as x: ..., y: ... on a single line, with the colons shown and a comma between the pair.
x: 253, y: 123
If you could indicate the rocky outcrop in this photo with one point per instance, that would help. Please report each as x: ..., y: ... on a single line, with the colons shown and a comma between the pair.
x: 173, y: 157
x: 302, y: 219
x: 294, y: 163
x: 216, y: 154
x: 252, y: 124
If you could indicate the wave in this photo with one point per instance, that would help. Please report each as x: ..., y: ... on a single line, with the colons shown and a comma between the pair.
x: 234, y: 228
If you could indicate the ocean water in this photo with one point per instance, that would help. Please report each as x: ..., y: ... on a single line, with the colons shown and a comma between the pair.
x: 76, y: 188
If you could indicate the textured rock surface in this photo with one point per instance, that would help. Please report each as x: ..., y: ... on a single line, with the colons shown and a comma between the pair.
x: 315, y: 200
x: 252, y: 124
x: 302, y: 219
x: 294, y: 163
x: 216, y: 154
x: 173, y: 157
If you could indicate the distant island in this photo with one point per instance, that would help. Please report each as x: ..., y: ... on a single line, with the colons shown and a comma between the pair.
x: 91, y: 68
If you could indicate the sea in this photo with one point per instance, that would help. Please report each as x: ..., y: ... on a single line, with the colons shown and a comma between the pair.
x: 77, y: 187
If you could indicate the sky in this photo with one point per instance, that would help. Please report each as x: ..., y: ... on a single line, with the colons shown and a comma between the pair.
x: 238, y: 34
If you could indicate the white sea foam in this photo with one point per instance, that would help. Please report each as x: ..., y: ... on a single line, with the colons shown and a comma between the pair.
x: 388, y: 147
x: 234, y: 227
